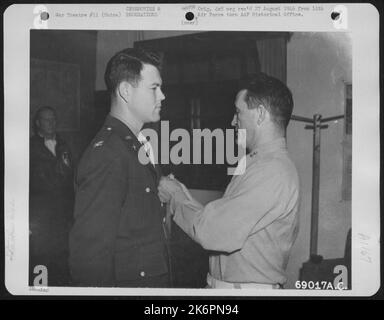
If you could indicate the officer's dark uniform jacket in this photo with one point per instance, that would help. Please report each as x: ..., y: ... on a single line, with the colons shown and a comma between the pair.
x: 118, y: 233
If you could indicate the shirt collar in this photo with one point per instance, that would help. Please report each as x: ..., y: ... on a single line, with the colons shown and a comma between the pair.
x: 45, y: 138
x: 130, y: 124
x: 273, y: 146
x: 120, y: 127
x: 141, y: 138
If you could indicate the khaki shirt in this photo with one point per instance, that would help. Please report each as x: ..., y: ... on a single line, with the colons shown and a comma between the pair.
x: 252, y: 228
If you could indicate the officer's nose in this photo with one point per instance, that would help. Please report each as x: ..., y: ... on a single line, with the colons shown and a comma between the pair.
x: 161, y: 95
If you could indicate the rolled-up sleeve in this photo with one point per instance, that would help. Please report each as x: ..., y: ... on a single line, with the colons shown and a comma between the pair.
x: 226, y: 223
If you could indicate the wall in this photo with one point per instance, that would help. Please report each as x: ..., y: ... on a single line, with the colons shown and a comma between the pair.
x: 110, y: 42
x: 318, y: 65
x: 74, y: 47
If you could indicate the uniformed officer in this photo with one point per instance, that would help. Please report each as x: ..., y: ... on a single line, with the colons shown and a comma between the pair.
x: 250, y: 231
x: 117, y: 238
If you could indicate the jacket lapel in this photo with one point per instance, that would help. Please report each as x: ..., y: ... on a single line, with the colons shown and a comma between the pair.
x: 45, y: 149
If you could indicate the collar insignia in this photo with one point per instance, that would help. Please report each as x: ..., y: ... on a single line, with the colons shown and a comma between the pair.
x: 98, y: 144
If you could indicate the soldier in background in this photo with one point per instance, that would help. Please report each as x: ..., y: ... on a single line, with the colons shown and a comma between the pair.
x: 51, y: 198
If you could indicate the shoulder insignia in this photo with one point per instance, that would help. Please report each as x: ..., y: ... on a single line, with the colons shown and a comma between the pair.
x: 98, y: 144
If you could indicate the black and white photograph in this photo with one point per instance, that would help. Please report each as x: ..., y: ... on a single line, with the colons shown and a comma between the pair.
x: 207, y: 160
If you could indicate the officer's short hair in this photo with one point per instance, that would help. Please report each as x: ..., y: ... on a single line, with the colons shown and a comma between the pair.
x: 273, y: 94
x: 126, y: 65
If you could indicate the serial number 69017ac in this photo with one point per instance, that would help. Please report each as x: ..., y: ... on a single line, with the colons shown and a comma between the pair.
x: 319, y: 285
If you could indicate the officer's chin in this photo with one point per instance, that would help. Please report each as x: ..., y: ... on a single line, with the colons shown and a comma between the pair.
x: 49, y: 132
x: 156, y: 118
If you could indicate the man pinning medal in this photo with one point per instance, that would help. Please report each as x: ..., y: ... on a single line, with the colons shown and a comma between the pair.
x: 251, y: 229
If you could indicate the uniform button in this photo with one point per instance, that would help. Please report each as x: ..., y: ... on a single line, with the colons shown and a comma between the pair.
x: 163, y: 220
x: 162, y: 204
x: 147, y: 189
x: 142, y: 274
x: 109, y: 128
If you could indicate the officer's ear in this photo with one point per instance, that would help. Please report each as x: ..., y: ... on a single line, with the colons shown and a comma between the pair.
x: 124, y: 90
x: 262, y: 114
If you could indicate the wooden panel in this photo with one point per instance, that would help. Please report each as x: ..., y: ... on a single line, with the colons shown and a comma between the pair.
x: 75, y: 48
x: 273, y: 57
x: 57, y: 85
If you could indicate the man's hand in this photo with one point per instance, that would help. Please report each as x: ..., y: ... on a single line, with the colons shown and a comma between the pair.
x: 167, y: 188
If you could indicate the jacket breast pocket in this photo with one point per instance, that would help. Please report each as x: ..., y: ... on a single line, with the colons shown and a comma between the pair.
x: 140, y: 208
